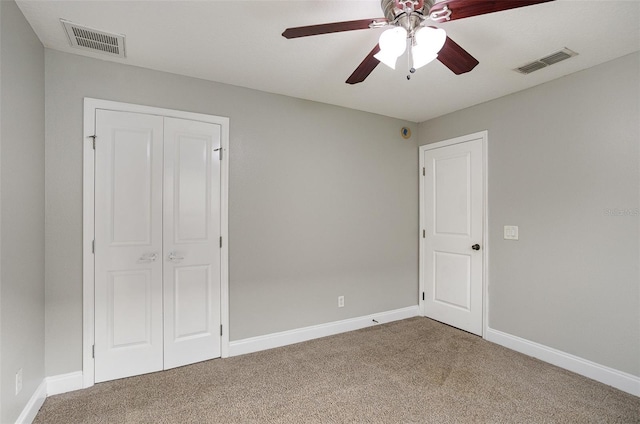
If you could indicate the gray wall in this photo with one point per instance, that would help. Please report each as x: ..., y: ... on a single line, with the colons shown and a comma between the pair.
x: 322, y: 202
x: 560, y: 156
x: 22, y: 214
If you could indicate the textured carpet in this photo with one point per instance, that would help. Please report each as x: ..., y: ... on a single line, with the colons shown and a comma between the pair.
x: 411, y: 371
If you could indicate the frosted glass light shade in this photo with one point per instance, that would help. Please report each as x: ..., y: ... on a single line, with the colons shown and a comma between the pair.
x: 431, y: 38
x: 421, y: 57
x: 393, y: 43
x: 428, y: 42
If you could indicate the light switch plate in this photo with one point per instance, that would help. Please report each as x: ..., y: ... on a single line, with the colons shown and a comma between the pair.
x: 511, y: 232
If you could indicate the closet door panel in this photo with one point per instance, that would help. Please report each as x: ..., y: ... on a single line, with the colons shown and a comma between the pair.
x: 128, y: 244
x: 191, y: 242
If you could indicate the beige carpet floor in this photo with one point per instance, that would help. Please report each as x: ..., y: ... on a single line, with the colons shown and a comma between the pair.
x: 410, y: 371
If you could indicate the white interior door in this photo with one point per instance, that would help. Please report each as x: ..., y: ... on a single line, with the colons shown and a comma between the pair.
x: 452, y: 217
x: 191, y: 242
x: 128, y: 244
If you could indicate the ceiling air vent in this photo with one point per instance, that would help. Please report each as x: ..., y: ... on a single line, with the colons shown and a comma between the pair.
x: 531, y: 67
x: 551, y: 59
x: 85, y: 38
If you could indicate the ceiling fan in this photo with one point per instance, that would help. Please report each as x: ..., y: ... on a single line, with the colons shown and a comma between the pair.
x: 407, y: 21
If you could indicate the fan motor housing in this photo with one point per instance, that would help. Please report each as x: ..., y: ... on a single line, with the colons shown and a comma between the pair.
x: 408, y: 21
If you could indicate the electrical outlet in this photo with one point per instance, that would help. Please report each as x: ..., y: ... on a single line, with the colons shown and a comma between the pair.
x: 340, y: 301
x: 19, y: 381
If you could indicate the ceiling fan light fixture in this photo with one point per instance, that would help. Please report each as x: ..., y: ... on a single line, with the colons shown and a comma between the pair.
x: 428, y: 42
x: 387, y: 58
x: 431, y: 38
x: 393, y: 43
x: 421, y: 57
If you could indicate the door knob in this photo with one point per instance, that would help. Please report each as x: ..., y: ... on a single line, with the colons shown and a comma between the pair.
x: 476, y: 247
x: 148, y: 257
x: 174, y: 257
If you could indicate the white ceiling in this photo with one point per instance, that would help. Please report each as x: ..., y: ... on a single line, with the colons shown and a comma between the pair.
x: 240, y: 43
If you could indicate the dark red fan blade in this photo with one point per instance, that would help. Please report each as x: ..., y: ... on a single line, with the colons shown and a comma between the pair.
x: 306, y: 31
x: 365, y: 68
x: 456, y: 58
x: 467, y: 8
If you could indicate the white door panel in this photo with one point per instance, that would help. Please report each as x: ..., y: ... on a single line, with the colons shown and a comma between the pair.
x: 130, y: 301
x: 452, y: 196
x: 192, y: 302
x: 192, y: 187
x: 452, y: 267
x: 191, y: 242
x: 453, y: 220
x: 128, y: 244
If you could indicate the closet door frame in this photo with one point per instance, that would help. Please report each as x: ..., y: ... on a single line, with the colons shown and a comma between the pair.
x: 88, y: 214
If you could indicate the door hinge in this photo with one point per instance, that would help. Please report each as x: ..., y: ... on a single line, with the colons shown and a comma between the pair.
x: 219, y: 149
x: 221, y: 329
x: 93, y: 141
x: 93, y: 351
x: 424, y: 233
x: 93, y: 246
x: 423, y: 171
x: 422, y: 295
x: 221, y: 242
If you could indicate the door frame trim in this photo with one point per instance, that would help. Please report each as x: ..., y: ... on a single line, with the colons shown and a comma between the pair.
x: 484, y: 136
x: 88, y: 214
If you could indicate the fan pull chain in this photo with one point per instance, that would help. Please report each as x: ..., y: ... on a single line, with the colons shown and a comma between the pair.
x: 412, y: 70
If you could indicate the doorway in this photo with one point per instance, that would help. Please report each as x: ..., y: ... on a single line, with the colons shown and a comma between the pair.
x: 453, y: 242
x: 155, y: 218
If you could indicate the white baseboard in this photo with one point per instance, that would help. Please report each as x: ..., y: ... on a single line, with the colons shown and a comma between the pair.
x: 64, y: 383
x: 620, y: 380
x: 50, y: 386
x: 269, y: 341
x: 33, y: 406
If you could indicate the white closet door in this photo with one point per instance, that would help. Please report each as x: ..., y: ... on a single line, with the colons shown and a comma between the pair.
x: 128, y: 244
x: 191, y: 242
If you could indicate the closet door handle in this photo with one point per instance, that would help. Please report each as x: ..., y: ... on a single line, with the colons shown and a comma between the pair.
x: 148, y: 257
x: 174, y: 258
